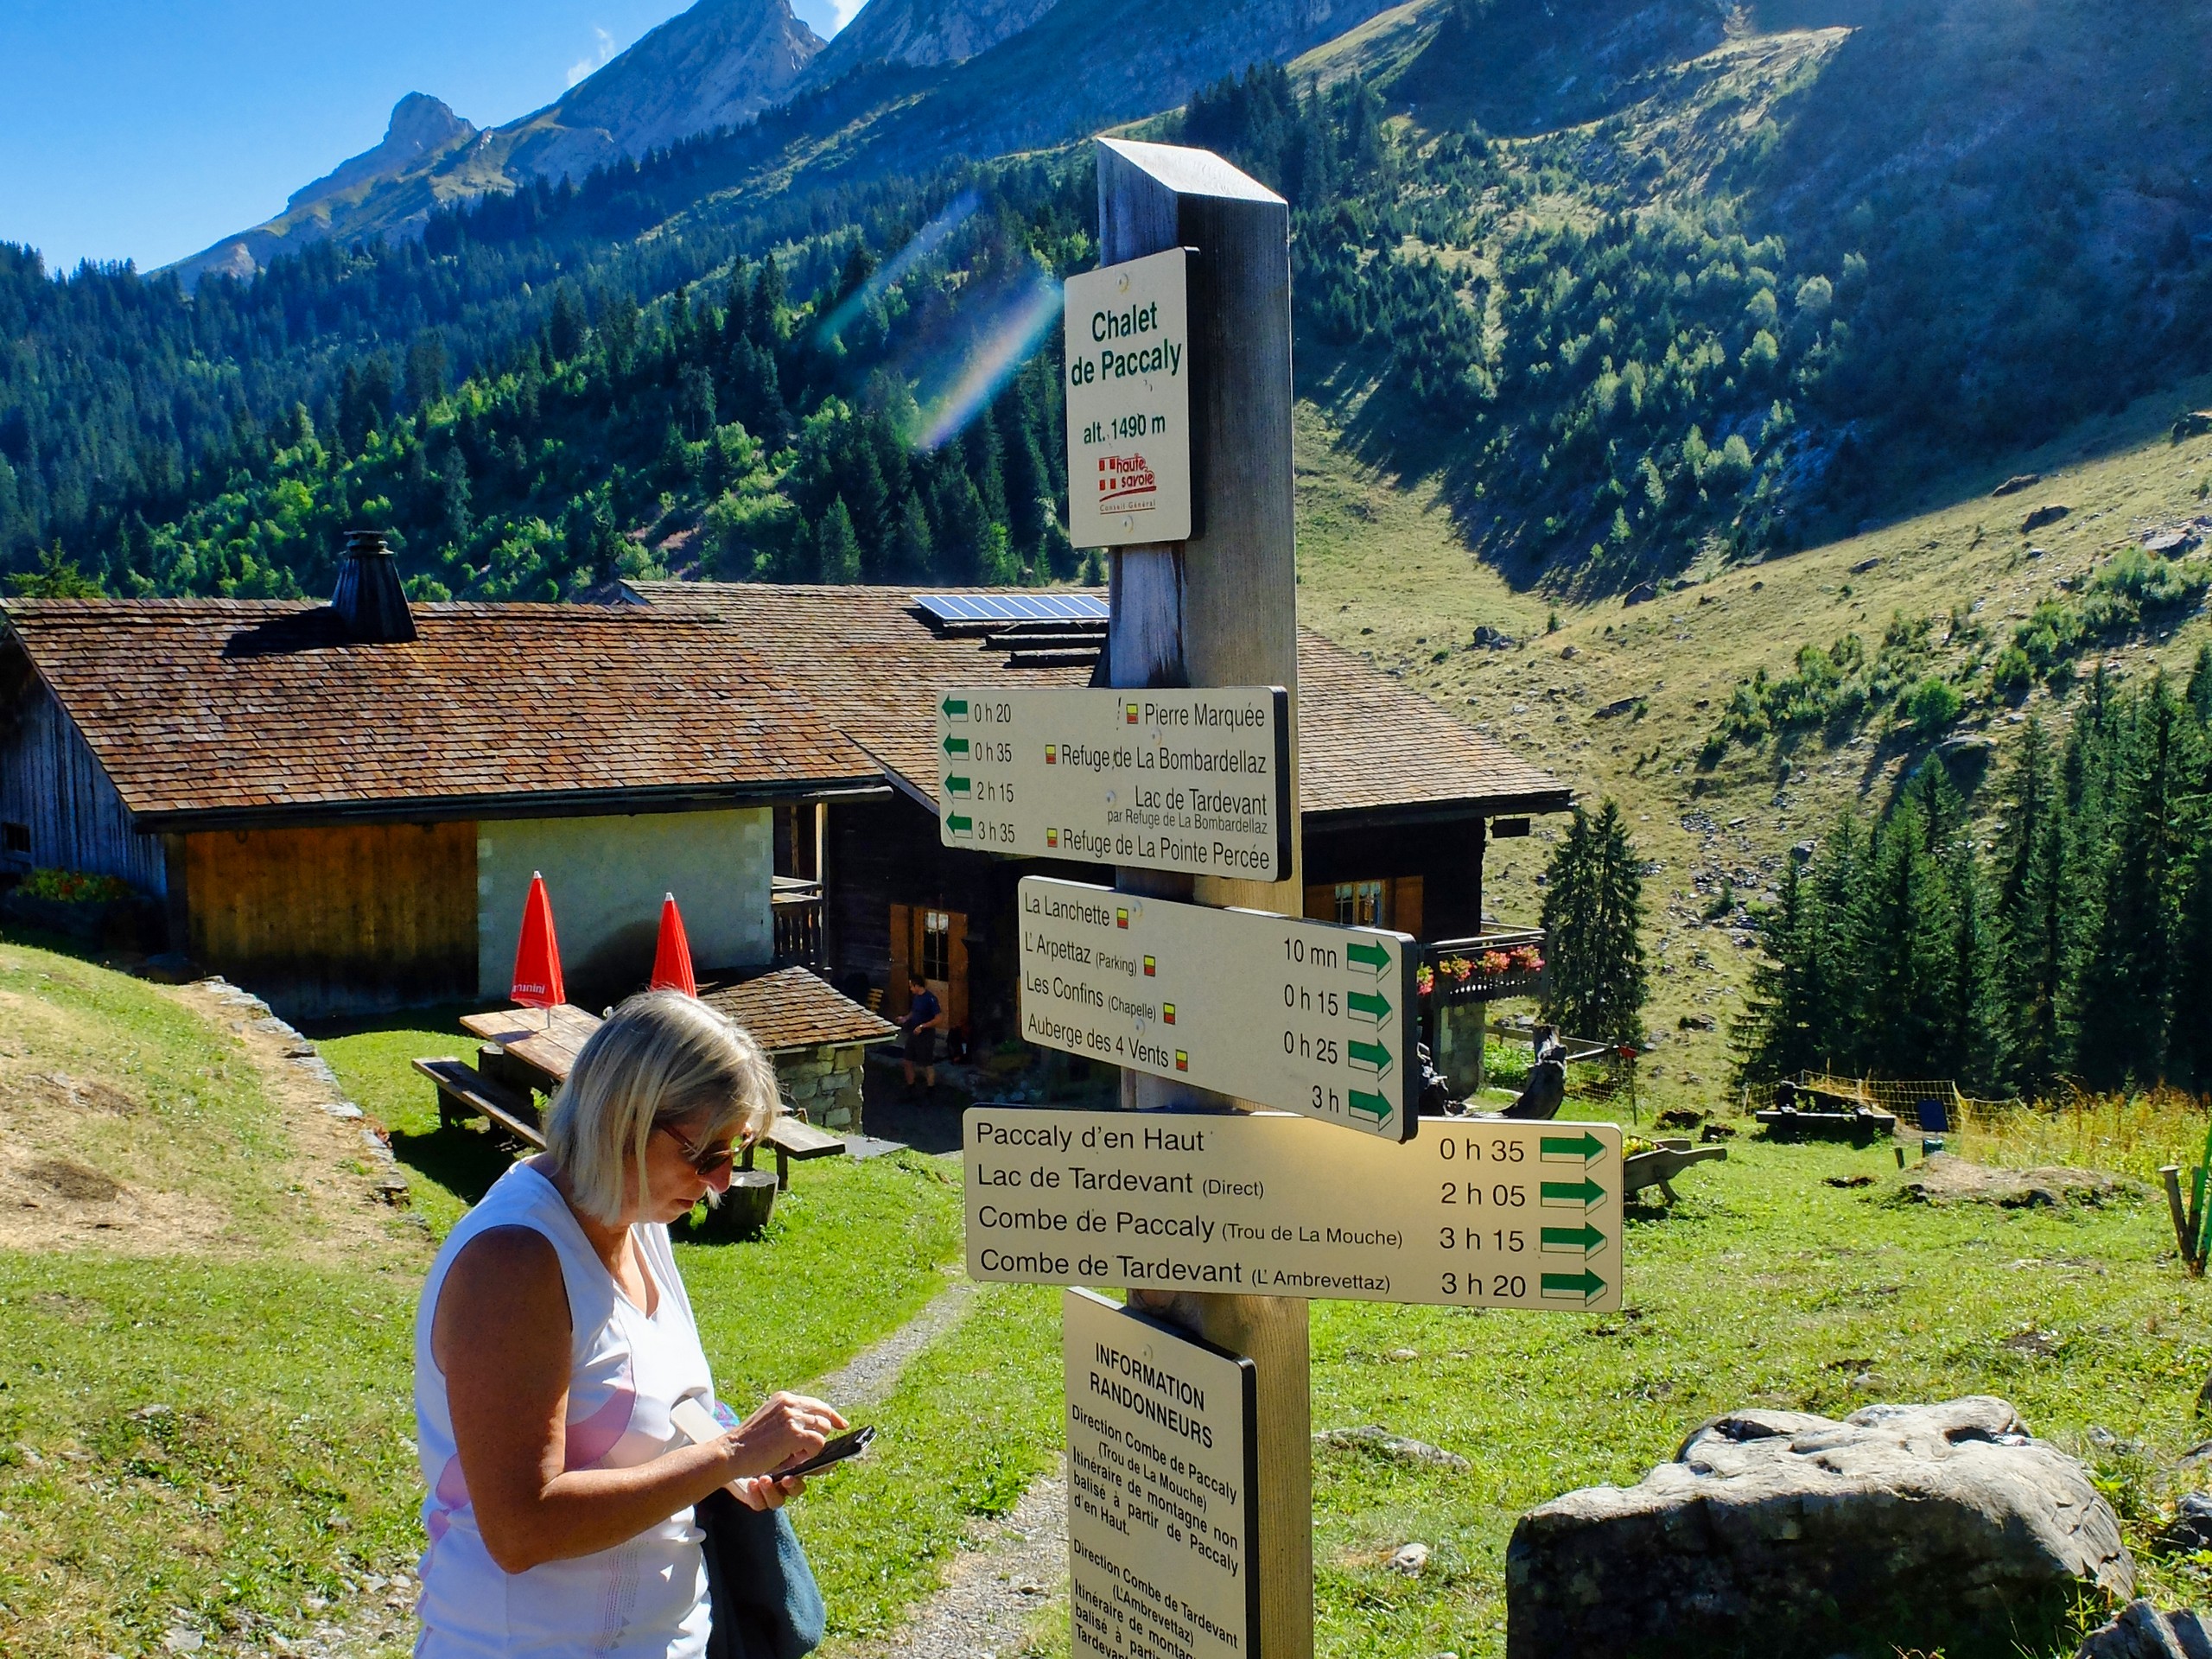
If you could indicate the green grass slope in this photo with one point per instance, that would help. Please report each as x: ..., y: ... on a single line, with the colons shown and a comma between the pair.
x: 1623, y: 699
x: 209, y: 1438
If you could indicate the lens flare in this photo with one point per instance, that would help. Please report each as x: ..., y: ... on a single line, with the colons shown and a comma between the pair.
x: 923, y: 243
x: 1005, y: 338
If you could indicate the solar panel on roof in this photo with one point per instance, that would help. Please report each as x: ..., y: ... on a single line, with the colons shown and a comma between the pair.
x: 1014, y: 607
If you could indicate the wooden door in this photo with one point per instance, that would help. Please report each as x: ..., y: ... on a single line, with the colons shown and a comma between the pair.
x: 932, y: 942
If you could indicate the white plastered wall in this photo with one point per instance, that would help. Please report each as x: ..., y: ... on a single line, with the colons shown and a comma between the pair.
x: 606, y: 876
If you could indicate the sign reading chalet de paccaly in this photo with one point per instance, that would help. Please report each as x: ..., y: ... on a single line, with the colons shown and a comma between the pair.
x: 1129, y: 401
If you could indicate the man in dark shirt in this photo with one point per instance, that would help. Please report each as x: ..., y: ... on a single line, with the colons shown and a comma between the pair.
x: 924, y: 1017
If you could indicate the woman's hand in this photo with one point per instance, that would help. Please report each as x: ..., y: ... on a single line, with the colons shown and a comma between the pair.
x: 789, y: 1429
x: 766, y: 1491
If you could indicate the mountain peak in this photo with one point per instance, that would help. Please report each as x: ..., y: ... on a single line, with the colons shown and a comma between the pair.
x: 925, y: 33
x: 718, y: 63
x: 420, y: 127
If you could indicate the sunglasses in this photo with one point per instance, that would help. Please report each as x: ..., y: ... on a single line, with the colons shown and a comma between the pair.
x: 708, y: 1163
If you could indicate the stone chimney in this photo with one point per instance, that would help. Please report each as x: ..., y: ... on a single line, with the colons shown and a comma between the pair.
x: 370, y: 601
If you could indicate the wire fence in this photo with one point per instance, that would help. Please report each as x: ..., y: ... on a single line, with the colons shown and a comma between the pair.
x: 2131, y: 1131
x: 1900, y: 1096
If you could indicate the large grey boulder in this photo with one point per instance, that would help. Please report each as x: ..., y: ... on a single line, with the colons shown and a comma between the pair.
x: 1775, y: 1531
x: 2141, y: 1631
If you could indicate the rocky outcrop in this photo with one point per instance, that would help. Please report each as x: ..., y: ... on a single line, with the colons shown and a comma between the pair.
x: 1776, y: 1531
x: 925, y: 33
x: 2141, y: 1631
x: 421, y: 128
x: 719, y: 64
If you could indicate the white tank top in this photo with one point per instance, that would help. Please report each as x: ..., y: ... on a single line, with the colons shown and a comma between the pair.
x: 643, y: 1599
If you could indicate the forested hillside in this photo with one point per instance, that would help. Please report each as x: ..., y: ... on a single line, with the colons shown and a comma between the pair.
x: 1656, y: 286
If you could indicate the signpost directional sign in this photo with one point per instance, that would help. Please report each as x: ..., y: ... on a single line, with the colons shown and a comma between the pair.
x: 1128, y: 402
x: 1163, y: 1463
x: 1308, y: 1017
x: 1195, y: 781
x: 1478, y: 1212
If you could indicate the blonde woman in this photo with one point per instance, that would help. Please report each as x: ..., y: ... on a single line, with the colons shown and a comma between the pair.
x: 553, y: 1341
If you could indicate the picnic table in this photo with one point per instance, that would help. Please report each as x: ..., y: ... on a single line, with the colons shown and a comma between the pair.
x: 530, y: 1051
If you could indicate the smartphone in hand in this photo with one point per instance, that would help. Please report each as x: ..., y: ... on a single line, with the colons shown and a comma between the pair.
x: 845, y: 1445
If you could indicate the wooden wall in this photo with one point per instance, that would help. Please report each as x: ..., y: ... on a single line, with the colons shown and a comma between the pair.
x: 882, y: 854
x: 352, y: 919
x: 1436, y: 867
x: 50, y: 782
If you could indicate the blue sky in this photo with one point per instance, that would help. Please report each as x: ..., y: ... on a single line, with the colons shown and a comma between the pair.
x: 146, y: 129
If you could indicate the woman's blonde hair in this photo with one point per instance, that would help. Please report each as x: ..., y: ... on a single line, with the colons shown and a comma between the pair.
x: 660, y: 1058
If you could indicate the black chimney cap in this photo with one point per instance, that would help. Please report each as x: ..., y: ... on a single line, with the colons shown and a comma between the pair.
x: 370, y: 601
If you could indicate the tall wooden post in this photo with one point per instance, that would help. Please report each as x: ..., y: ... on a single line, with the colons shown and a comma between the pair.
x: 1221, y: 609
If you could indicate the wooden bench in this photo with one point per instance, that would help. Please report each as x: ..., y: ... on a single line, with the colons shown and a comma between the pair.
x: 465, y: 1092
x: 792, y: 1138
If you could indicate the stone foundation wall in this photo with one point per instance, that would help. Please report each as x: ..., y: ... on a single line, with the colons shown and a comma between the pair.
x: 824, y: 1082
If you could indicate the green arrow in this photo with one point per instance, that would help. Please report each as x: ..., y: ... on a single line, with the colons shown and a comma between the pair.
x: 958, y: 786
x: 1585, y: 1193
x: 1370, y: 1003
x: 955, y: 707
x: 958, y: 825
x: 1586, y: 1238
x: 1373, y: 955
x: 1373, y: 1053
x: 1585, y: 1146
x: 1585, y: 1284
x: 1374, y: 1105
x: 956, y: 745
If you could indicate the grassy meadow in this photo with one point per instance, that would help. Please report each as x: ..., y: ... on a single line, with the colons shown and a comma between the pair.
x: 208, y: 1439
x: 1619, y: 699
x: 206, y: 1420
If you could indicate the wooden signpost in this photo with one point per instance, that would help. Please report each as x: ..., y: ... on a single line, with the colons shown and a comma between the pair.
x: 1306, y: 1017
x: 1186, y: 780
x: 1163, y: 1455
x: 1476, y: 1213
x: 1178, y: 398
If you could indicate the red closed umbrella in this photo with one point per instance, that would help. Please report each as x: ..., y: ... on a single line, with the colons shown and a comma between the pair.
x: 672, y: 958
x: 538, y: 956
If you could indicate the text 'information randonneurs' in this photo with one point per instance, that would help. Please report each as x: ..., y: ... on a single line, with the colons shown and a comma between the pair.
x: 1163, y: 1456
x: 1476, y: 1213
x: 1195, y: 781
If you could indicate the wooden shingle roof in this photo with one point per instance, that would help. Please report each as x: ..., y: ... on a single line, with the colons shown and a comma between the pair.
x: 216, y: 710
x: 208, y: 712
x: 794, y: 1008
x: 870, y: 661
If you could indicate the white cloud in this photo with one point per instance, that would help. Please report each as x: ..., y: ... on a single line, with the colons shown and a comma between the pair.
x: 583, y: 66
x: 847, y: 10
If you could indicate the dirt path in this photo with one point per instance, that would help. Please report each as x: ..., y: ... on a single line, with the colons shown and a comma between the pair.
x: 995, y: 1586
x: 873, y: 1373
x: 996, y: 1590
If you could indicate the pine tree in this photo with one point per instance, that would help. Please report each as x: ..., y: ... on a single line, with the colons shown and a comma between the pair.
x: 2127, y: 982
x: 56, y: 577
x: 1592, y: 918
x: 1783, y: 1030
x: 838, y: 549
x: 2189, y: 1039
x: 913, y: 550
x: 2028, y: 919
x: 1900, y: 928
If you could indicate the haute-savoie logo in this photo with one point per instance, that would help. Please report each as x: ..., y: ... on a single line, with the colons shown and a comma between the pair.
x: 1127, y: 484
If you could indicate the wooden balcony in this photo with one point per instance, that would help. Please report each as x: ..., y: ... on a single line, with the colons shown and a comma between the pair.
x: 1496, y: 963
x: 796, y: 905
